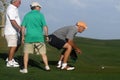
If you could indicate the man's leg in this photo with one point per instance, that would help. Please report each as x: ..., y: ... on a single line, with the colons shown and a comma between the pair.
x: 41, y: 47
x: 66, y: 56
x: 11, y: 62
x: 28, y: 48
x: 26, y: 55
x: 45, y: 60
x: 12, y: 44
x: 12, y: 51
x: 67, y: 52
x: 25, y: 58
x: 59, y: 64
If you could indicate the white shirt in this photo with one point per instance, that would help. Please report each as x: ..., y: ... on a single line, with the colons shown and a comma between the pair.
x: 11, y: 14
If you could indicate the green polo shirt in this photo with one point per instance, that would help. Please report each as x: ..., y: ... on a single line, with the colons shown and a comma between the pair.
x: 34, y: 22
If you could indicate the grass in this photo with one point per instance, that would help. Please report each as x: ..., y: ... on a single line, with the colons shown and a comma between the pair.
x: 96, y: 53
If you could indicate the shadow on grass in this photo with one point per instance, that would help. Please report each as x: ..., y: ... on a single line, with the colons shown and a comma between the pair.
x: 3, y: 56
x: 54, y: 63
x: 31, y: 62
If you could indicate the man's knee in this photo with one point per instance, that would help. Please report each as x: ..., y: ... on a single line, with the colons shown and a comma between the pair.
x: 67, y: 46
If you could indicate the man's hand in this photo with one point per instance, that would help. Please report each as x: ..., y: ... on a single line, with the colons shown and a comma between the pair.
x: 22, y: 40
x: 47, y: 38
x: 78, y: 50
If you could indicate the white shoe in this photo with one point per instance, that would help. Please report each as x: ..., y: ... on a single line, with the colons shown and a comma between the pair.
x: 47, y: 68
x: 11, y: 64
x: 68, y: 68
x: 13, y: 60
x: 24, y: 71
x: 59, y: 65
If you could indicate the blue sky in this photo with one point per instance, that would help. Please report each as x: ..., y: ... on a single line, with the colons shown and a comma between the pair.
x: 101, y: 16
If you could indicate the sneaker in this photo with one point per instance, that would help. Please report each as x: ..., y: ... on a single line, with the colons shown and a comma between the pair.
x: 24, y: 71
x: 47, y: 68
x: 13, y: 60
x: 68, y: 68
x: 11, y: 64
x: 59, y: 66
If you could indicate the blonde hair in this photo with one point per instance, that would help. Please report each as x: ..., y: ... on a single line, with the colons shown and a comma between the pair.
x: 81, y: 24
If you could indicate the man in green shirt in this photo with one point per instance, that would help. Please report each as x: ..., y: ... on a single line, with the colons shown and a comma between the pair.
x: 33, y: 30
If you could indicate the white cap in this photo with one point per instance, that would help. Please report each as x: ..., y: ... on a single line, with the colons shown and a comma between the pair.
x: 33, y: 4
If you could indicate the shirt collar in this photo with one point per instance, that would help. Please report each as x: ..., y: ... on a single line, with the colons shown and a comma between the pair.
x: 35, y: 10
x: 76, y: 28
x: 13, y: 6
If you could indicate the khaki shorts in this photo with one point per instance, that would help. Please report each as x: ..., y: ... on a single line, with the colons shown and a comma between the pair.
x: 37, y: 48
x: 11, y: 40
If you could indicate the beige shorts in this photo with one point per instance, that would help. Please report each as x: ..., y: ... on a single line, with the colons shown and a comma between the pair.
x: 11, y: 40
x: 37, y: 48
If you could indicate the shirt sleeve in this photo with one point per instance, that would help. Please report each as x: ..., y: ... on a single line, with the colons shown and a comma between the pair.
x: 11, y: 14
x: 24, y: 22
x: 43, y: 21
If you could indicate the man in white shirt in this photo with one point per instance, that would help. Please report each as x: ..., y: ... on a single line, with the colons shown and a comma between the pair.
x: 11, y: 31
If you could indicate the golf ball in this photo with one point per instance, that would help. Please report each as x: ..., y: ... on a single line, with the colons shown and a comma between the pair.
x: 102, y: 67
